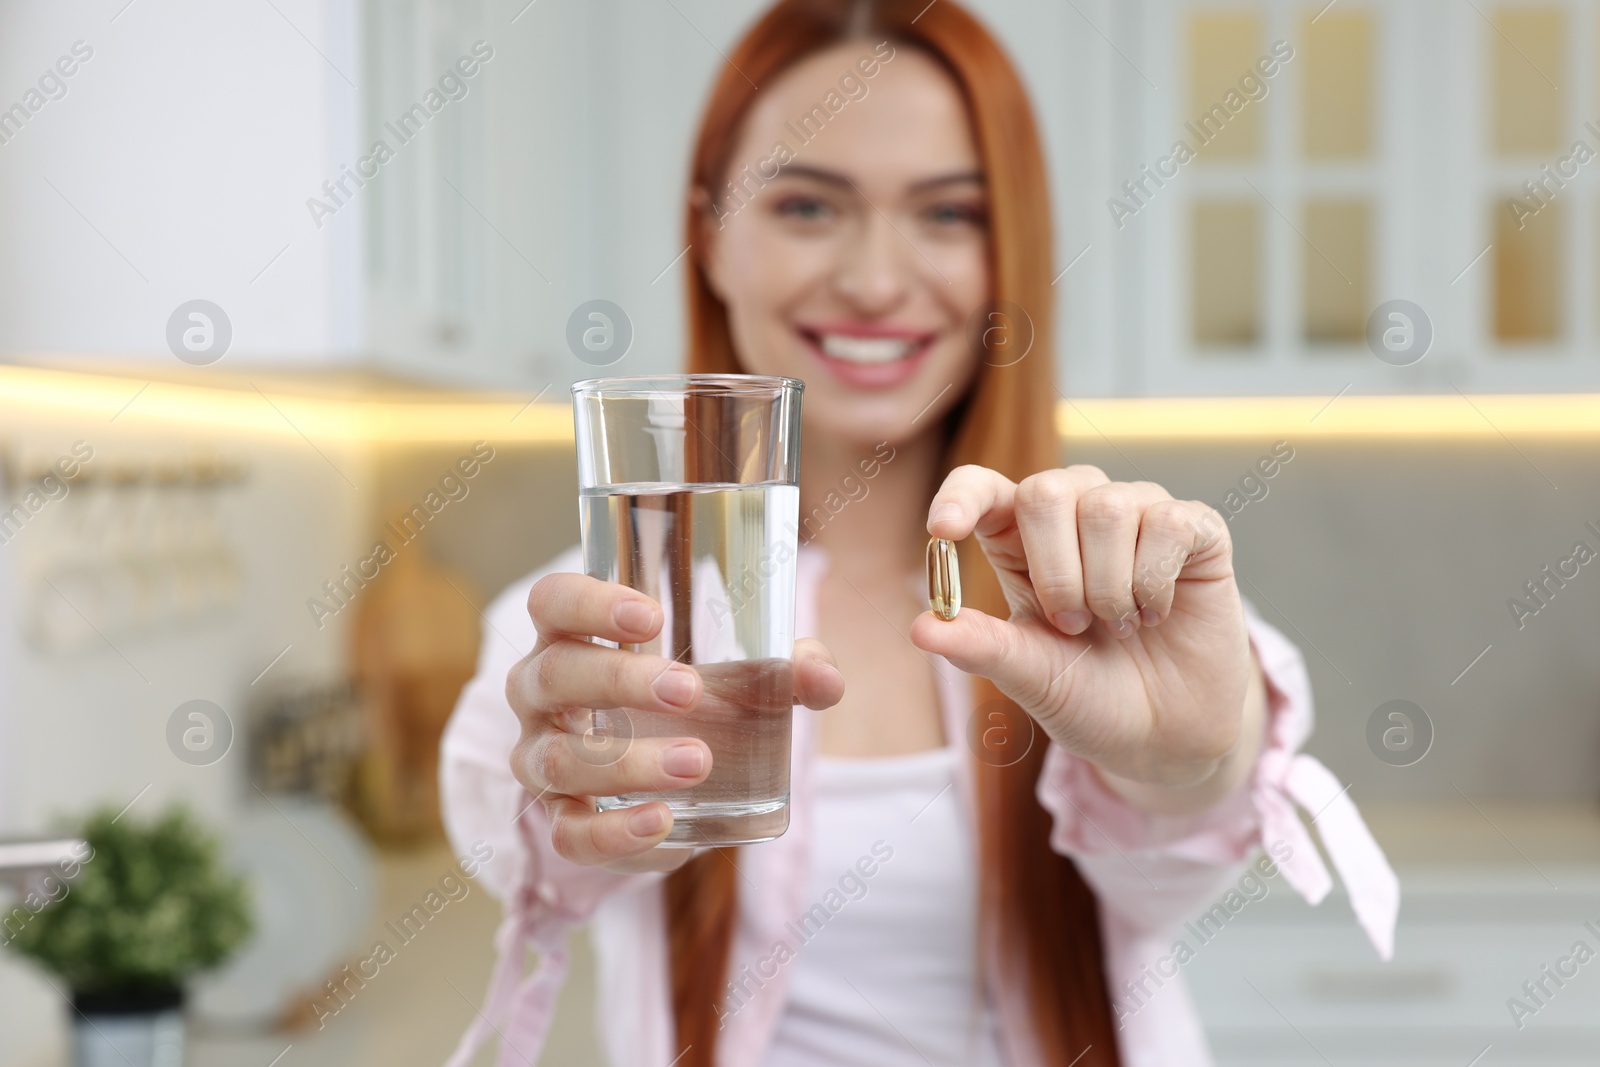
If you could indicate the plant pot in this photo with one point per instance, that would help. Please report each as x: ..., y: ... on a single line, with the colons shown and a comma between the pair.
x: 142, y: 1029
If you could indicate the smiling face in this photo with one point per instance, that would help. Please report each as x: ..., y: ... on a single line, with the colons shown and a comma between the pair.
x: 858, y: 267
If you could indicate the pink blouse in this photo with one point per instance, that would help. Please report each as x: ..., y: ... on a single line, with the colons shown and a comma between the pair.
x: 1151, y: 873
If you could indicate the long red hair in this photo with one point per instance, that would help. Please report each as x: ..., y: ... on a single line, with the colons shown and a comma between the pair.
x: 1047, y: 917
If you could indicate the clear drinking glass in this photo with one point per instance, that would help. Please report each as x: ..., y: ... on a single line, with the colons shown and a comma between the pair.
x: 689, y: 492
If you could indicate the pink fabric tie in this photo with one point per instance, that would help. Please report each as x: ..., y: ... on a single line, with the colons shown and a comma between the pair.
x: 521, y: 1013
x: 1371, y: 883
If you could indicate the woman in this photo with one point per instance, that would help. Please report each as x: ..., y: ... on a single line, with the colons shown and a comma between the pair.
x: 851, y: 220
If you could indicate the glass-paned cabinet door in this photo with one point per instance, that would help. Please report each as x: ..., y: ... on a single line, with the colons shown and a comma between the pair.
x: 1531, y: 151
x: 1532, y: 202
x: 1266, y: 241
x: 1305, y: 163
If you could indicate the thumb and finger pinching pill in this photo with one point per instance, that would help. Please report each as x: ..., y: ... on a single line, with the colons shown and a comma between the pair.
x: 944, y: 578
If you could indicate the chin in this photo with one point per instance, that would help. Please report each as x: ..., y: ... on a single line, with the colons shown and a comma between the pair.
x: 864, y: 419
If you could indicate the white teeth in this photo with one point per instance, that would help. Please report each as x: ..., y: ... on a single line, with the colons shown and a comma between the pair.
x: 865, y: 349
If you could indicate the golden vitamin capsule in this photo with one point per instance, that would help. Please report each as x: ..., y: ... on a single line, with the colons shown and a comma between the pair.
x: 944, y: 578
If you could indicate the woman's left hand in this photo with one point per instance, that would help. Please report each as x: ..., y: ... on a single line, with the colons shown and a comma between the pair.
x: 1126, y: 640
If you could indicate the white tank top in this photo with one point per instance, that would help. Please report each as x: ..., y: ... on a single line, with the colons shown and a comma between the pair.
x: 888, y: 972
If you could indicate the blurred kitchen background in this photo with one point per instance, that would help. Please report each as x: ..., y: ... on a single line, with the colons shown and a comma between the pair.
x: 222, y: 381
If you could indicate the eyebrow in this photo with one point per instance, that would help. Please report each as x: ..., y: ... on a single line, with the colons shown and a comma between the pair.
x: 830, y: 177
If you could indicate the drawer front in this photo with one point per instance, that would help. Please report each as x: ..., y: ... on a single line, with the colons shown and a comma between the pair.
x: 1444, y: 978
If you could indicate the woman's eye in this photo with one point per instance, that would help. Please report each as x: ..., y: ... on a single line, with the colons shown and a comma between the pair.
x: 804, y: 208
x: 956, y: 215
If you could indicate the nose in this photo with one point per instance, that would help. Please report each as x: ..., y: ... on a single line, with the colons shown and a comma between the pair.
x: 873, y: 272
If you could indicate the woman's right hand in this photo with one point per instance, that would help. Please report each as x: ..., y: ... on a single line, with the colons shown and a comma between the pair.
x: 552, y: 688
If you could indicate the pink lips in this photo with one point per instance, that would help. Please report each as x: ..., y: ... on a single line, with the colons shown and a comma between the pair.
x: 869, y: 375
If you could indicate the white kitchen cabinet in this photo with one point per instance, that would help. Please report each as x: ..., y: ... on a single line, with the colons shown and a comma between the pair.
x: 176, y: 166
x: 1288, y: 984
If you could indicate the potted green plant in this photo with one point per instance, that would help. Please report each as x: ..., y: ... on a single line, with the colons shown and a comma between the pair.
x: 151, y: 906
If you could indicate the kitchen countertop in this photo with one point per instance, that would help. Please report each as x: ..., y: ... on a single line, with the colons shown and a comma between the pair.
x: 1468, y: 865
x: 1484, y: 833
